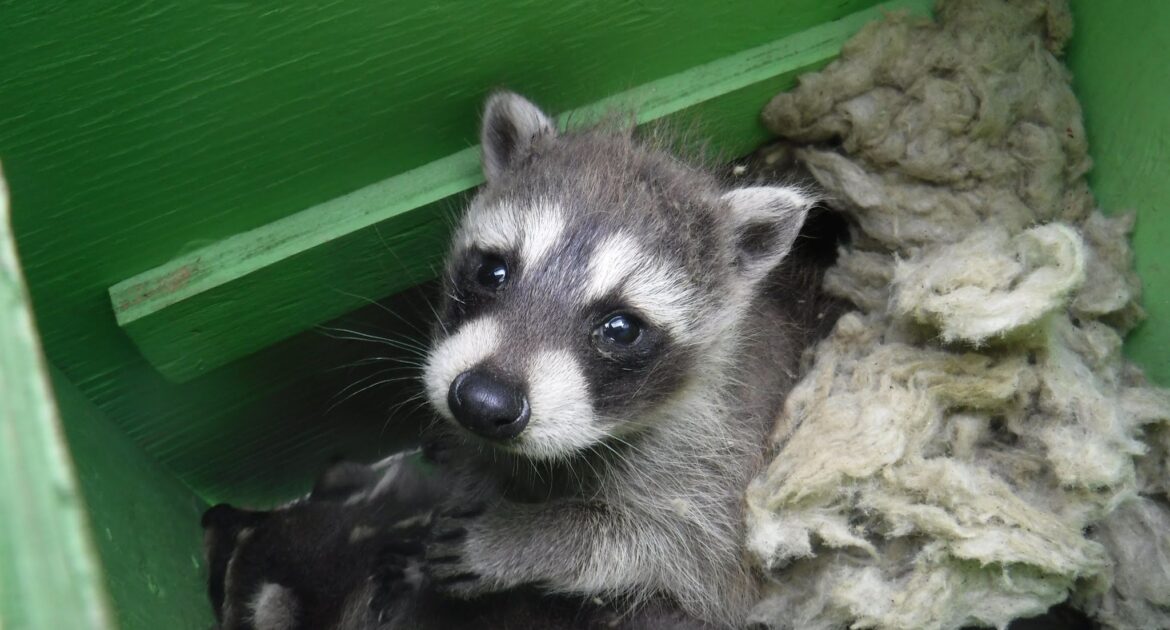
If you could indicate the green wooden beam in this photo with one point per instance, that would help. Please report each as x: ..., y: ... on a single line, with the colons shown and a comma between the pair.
x: 234, y: 297
x: 49, y: 576
x: 144, y: 523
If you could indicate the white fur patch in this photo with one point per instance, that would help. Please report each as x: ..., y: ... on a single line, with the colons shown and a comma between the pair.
x: 473, y: 343
x: 761, y: 202
x: 660, y: 293
x: 613, y: 260
x: 274, y: 607
x: 391, y: 468
x: 562, y: 414
x: 362, y: 532
x: 543, y: 227
x: 496, y: 228
x: 532, y: 230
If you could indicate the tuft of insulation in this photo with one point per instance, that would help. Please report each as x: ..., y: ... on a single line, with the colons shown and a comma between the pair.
x: 968, y: 446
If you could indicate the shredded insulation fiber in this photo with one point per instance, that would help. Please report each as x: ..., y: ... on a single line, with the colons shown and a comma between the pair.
x: 968, y: 446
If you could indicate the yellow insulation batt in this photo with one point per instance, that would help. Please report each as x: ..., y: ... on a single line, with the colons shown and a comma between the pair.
x: 968, y: 446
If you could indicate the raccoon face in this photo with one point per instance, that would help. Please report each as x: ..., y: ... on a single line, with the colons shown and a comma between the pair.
x: 593, y: 281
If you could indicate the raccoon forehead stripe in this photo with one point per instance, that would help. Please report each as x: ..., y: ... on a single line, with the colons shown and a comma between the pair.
x: 494, y: 228
x: 532, y: 229
x: 647, y: 283
x: 543, y: 226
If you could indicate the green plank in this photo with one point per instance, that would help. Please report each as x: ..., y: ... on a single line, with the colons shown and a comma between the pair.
x: 145, y: 523
x: 48, y: 571
x: 1120, y: 74
x: 236, y: 296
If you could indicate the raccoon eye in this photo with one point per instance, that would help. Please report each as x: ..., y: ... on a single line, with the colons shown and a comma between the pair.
x: 492, y: 272
x: 620, y: 329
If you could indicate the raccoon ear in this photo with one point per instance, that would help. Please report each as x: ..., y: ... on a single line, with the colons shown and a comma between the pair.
x: 511, y: 126
x: 224, y: 517
x: 766, y: 221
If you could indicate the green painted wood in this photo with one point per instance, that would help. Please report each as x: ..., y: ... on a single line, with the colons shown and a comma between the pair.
x: 49, y: 575
x: 135, y: 132
x: 234, y: 297
x: 145, y: 523
x: 1120, y: 72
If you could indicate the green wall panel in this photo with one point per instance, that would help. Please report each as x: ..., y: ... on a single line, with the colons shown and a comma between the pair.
x: 145, y: 523
x: 1121, y: 73
x: 49, y: 577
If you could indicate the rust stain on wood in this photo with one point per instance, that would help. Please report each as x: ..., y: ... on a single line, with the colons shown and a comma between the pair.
x: 169, y: 283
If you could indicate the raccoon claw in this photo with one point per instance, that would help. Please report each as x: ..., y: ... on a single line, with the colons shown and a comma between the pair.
x: 463, y: 585
x: 450, y: 577
x: 446, y: 558
x: 391, y: 575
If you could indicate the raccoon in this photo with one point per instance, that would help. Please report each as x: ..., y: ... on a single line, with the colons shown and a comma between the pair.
x: 348, y: 557
x: 614, y: 343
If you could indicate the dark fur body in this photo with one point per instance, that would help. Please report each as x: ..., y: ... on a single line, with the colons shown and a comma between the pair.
x: 347, y: 558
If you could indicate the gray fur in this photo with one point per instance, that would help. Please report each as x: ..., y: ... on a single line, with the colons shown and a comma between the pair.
x: 638, y: 490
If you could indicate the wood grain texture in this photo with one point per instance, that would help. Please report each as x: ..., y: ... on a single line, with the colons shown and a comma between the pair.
x: 49, y: 576
x: 1120, y: 73
x: 136, y: 132
x: 234, y: 297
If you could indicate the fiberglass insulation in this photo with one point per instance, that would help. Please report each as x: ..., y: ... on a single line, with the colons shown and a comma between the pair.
x: 969, y: 445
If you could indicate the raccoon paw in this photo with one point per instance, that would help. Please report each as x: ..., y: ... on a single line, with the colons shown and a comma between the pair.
x: 395, y: 575
x: 447, y: 565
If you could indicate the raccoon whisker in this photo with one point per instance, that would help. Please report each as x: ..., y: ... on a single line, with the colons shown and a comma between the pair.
x: 592, y: 469
x: 402, y: 320
x: 437, y: 318
x: 346, y: 334
x: 574, y: 475
x: 630, y: 445
x: 567, y: 462
x: 535, y: 470
x: 649, y: 373
x: 419, y: 398
x: 399, y: 260
x: 416, y: 365
x: 362, y: 380
x: 396, y: 364
x: 359, y: 363
x: 384, y: 381
x: 332, y: 331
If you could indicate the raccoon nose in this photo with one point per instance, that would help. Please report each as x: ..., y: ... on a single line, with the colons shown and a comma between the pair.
x: 488, y: 406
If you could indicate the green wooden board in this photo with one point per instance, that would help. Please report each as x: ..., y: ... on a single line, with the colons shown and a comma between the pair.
x: 145, y: 524
x: 1118, y: 58
x: 49, y: 576
x: 234, y: 297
